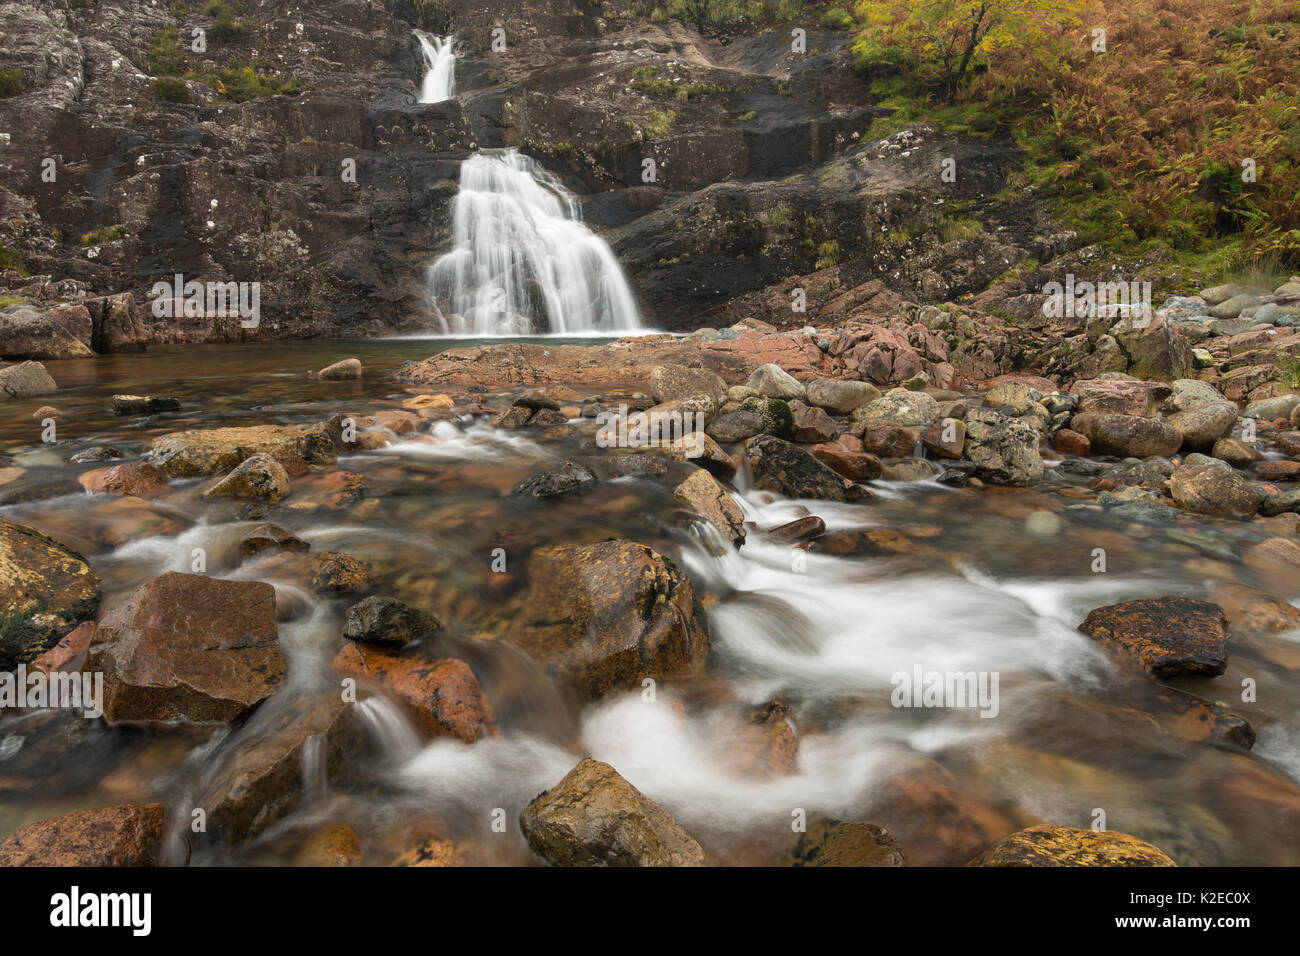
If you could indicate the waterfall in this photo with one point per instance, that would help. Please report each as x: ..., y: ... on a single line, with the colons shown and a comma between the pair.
x: 439, y: 67
x: 522, y: 261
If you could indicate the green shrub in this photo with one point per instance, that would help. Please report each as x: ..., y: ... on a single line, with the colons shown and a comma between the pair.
x: 165, y: 56
x: 243, y: 83
x: 661, y: 121
x: 180, y: 8
x: 107, y: 234
x: 837, y: 18
x: 227, y: 29
x: 11, y: 82
x: 170, y: 89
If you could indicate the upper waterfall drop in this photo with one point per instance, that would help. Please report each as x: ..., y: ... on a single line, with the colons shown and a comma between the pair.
x: 522, y: 261
x: 439, y: 82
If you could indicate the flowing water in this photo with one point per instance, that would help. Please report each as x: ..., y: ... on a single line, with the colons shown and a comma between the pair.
x: 439, y: 83
x: 947, y: 579
x: 522, y: 261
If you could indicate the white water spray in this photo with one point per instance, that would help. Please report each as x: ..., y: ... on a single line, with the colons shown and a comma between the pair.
x: 522, y: 260
x: 439, y: 82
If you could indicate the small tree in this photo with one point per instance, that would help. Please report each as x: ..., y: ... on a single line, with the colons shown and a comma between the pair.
x: 949, y: 38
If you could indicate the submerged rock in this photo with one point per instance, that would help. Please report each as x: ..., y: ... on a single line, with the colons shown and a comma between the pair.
x: 549, y: 484
x: 257, y: 478
x: 143, y: 404
x: 1046, y: 845
x: 46, y: 589
x: 188, y: 647
x: 387, y: 622
x: 606, y: 615
x: 138, y: 478
x: 836, y: 843
x: 346, y: 370
x: 593, y: 817
x: 125, y: 835
x: 193, y: 454
x: 1168, y: 636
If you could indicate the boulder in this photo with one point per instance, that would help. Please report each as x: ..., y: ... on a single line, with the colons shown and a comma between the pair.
x: 812, y: 425
x: 853, y: 465
x: 1127, y: 436
x: 125, y: 835
x: 25, y: 380
x: 1188, y: 393
x: 701, y: 493
x: 789, y: 470
x: 336, y: 572
x: 1214, y: 491
x: 193, y: 454
x: 1236, y: 453
x: 836, y: 843
x: 143, y: 404
x: 188, y: 647
x: 570, y: 477
x: 138, y: 478
x: 116, y: 325
x: 257, y: 478
x: 1203, y: 425
x: 669, y: 382
x: 888, y: 440
x: 771, y: 381
x: 344, y: 371
x: 898, y: 406
x: 1168, y: 636
x: 840, y: 396
x: 26, y: 334
x: 441, y: 696
x: 606, y: 615
x: 1270, y: 409
x: 46, y: 589
x: 387, y: 622
x: 1047, y: 845
x: 593, y: 817
x: 1003, y: 448
x: 775, y: 414
x: 735, y: 426
x: 946, y: 438
x: 269, y: 537
x: 1118, y: 397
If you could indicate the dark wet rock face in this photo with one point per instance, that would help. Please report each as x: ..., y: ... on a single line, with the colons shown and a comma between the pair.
x: 1167, y: 636
x: 790, y: 470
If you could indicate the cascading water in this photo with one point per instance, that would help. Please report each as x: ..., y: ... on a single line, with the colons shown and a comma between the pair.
x: 439, y: 82
x: 522, y: 261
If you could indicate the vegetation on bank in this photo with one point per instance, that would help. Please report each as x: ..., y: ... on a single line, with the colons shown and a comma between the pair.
x: 239, y: 81
x: 1151, y: 123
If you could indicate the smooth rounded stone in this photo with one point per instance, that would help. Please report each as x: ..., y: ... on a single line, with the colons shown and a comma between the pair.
x: 258, y: 478
x: 1179, y: 308
x: 839, y: 395
x: 1196, y: 460
x: 1269, y: 312
x: 1236, y: 453
x: 570, y: 477
x: 945, y: 438
x: 441, y: 696
x: 916, y: 383
x: 735, y: 426
x: 128, y: 834
x: 1127, y: 436
x: 608, y: 615
x: 798, y: 530
x: 772, y: 381
x: 270, y: 537
x: 138, y: 478
x: 836, y: 843
x: 593, y: 817
x: 1187, y: 393
x: 812, y: 425
x: 909, y: 469
x: 702, y: 494
x: 738, y: 393
x: 1046, y: 845
x: 1233, y: 307
x: 143, y: 404
x: 899, y: 407
x: 1043, y: 524
x: 775, y: 414
x: 1215, y: 491
x: 1203, y: 425
x: 1283, y: 503
x: 46, y: 590
x: 1202, y: 358
x: 344, y: 371
x: 25, y: 380
x: 44, y: 412
x: 786, y: 469
x: 1003, y: 448
x: 1289, y: 443
x: 1134, y: 503
x: 1167, y: 636
x: 1221, y: 293
x: 96, y: 453
x: 1194, y: 718
x: 1281, y: 469
x: 668, y: 382
x: 211, y: 664
x: 1016, y: 395
x: 853, y: 465
x: 200, y: 452
x: 1270, y: 409
x: 1069, y: 442
x: 388, y: 622
x: 889, y: 440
